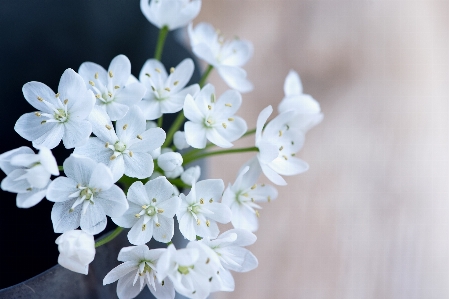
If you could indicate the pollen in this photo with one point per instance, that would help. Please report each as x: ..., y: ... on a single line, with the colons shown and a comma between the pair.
x: 228, y: 105
x: 198, y: 222
x: 154, y: 200
x: 125, y: 126
x: 158, y: 224
x: 208, y: 260
x: 254, y: 187
x: 40, y: 99
x: 252, y: 199
x: 57, y: 95
x: 231, y: 119
x: 285, y: 157
x: 172, y: 70
x: 66, y: 101
x: 112, y: 157
x: 130, y: 153
x: 139, y: 137
x: 209, y: 121
x: 148, y: 75
x: 110, y: 94
x: 175, y: 83
x: 293, y: 142
x: 37, y: 113
x: 111, y: 74
x: 96, y: 75
x: 71, y: 210
x: 224, y: 125
x: 106, y: 144
x: 209, y: 107
x: 160, y: 211
x: 257, y: 214
x: 98, y: 96
x: 281, y: 148
x: 108, y: 127
x: 201, y: 201
x: 137, y: 215
x: 157, y: 70
x: 92, y: 83
x: 144, y: 227
x: 207, y: 223
x: 167, y: 89
x: 293, y: 154
x: 211, y: 200
x: 245, y: 194
x: 116, y: 87
x: 43, y: 122
x: 269, y: 198
x: 280, y: 133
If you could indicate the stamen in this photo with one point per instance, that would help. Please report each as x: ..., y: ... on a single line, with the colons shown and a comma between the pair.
x: 209, y: 121
x: 154, y: 200
x: 252, y: 199
x: 137, y: 215
x: 125, y: 126
x: 98, y: 96
x: 148, y: 75
x: 201, y: 201
x: 40, y: 99
x: 144, y: 227
x: 43, y: 122
x: 175, y: 83
x: 257, y: 214
x: 116, y: 87
x: 172, y: 69
x: 263, y: 185
x: 209, y: 107
x: 211, y: 200
x: 160, y: 211
x: 158, y: 224
x: 293, y: 142
x: 285, y: 157
x: 130, y: 153
x: 37, y: 113
x: 167, y: 89
x: 110, y: 94
x: 106, y: 144
x: 29, y: 189
x: 228, y: 105
x: 224, y: 125
x: 112, y: 157
x: 57, y: 95
x: 66, y: 101
x: 269, y: 198
x: 96, y: 75
x: 207, y: 223
x: 208, y: 260
x: 212, y: 98
x: 139, y: 137
x: 281, y: 148
x: 111, y: 74
x: 245, y: 194
x: 152, y: 87
x: 92, y: 83
x: 144, y: 207
x: 157, y: 70
x: 254, y: 187
x: 198, y: 221
x: 108, y: 127
x: 231, y: 119
x: 293, y: 154
x: 280, y: 133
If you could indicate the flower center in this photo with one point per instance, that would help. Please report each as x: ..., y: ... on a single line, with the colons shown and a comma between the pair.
x: 119, y: 146
x: 184, y: 269
x: 87, y: 193
x: 151, y: 211
x: 107, y: 97
x: 194, y: 209
x: 60, y: 115
x: 209, y: 122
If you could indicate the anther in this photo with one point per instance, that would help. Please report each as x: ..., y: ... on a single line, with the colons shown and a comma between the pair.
x: 281, y: 148
x: 254, y: 187
x: 245, y: 194
x: 154, y: 199
x: 37, y: 113
x: 209, y: 107
x: 125, y: 126
x: 209, y: 121
x: 257, y: 213
x: 110, y: 94
x: 211, y: 200
x: 98, y: 96
x: 144, y: 227
x: 162, y: 283
x: 40, y: 99
x: 172, y: 69
x: 106, y: 144
x: 108, y: 127
x: 269, y: 198
x: 280, y: 133
x: 228, y: 105
x: 144, y: 207
x: 208, y: 260
x: 96, y: 75
x: 111, y: 74
x: 29, y: 189
x: 157, y: 70
x: 152, y: 87
x: 207, y: 223
x: 66, y: 101
x: 130, y: 153
x: 293, y: 142
x: 212, y: 98
x: 116, y: 87
x: 57, y: 95
x: 252, y: 199
x: 139, y: 137
x: 148, y: 75
x: 201, y: 201
x: 224, y: 125
x: 198, y: 222
x: 167, y: 89
x: 263, y: 185
x: 285, y: 157
x: 71, y: 210
x: 92, y: 83
x: 137, y: 215
x: 293, y: 154
x: 175, y: 83
x: 112, y: 157
x: 43, y: 122
x: 158, y: 224
x: 231, y: 119
x: 160, y: 211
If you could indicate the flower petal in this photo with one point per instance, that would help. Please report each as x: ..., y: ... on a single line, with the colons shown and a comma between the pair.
x: 235, y: 77
x: 33, y: 90
x: 119, y: 271
x: 125, y: 287
x: 214, y: 136
x: 131, y: 125
x: 94, y: 220
x: 261, y: 120
x: 5, y: 158
x: 164, y: 232
x: 32, y: 128
x: 96, y: 150
x: 292, y: 84
x: 222, y: 213
x: 113, y: 201
x: 273, y: 175
x: 187, y: 226
x: 62, y: 219
x: 140, y: 165
x: 292, y: 166
x: 195, y: 134
x: 149, y: 140
x: 119, y: 70
x: 76, y: 133
x: 11, y: 184
x: 30, y: 199
x: 60, y: 189
x: 79, y: 169
x: 140, y: 233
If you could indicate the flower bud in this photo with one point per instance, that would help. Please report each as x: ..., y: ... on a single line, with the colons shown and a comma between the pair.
x: 179, y: 140
x: 174, y: 173
x: 169, y: 161
x: 76, y: 250
x: 191, y: 175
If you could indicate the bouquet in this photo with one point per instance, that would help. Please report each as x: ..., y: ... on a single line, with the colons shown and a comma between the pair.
x: 125, y: 166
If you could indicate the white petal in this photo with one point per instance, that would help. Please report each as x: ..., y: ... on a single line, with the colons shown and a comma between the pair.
x: 169, y: 161
x: 80, y: 107
x: 187, y: 226
x: 115, y: 110
x: 5, y: 158
x: 71, y: 85
x: 131, y: 125
x: 48, y: 161
x: 273, y: 175
x: 30, y: 127
x: 125, y: 287
x: 137, y: 194
x: 222, y: 213
x: 137, y: 235
x: 170, y: 206
x: 267, y: 151
x: 96, y: 150
x: 166, y: 291
x: 79, y: 169
x: 62, y: 219
x: 117, y: 167
x: 214, y: 136
x: 72, y: 264
x: 159, y: 188
x: 234, y: 129
x: 11, y: 184
x: 235, y: 77
x: 227, y: 105
x: 151, y: 108
x: 244, y: 237
x: 209, y: 189
x: 292, y: 84
x: 191, y: 110
x: 150, y: 140
x: 140, y: 165
x: 237, y: 52
x: 32, y: 90
x: 205, y: 52
x: 76, y: 133
x: 120, y: 68
x: 94, y: 220
x: 101, y: 177
x: 261, y: 120
x: 113, y: 201
x: 164, y: 232
x: 150, y: 67
x: 60, y: 189
x: 179, y: 140
x: 119, y: 271
x: 102, y: 125
x: 30, y: 199
x: 128, y: 219
x: 292, y: 166
x: 243, y: 218
x: 249, y: 260
x: 88, y: 70
x: 195, y: 134
x: 131, y: 94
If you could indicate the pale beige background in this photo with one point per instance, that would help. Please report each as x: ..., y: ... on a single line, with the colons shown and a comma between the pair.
x: 370, y: 219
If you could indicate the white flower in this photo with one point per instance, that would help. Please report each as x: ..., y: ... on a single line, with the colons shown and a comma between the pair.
x: 128, y: 150
x: 28, y: 174
x: 169, y: 161
x: 151, y: 210
x: 192, y: 174
x: 278, y: 145
x: 85, y: 196
x: 59, y: 116
x: 115, y: 89
x: 187, y: 269
x: 213, y: 120
x: 76, y: 250
x: 179, y: 140
x: 241, y: 197
x: 308, y: 111
x: 171, y: 13
x: 200, y: 209
x: 227, y: 249
x: 137, y: 270
x: 226, y: 56
x: 174, y: 173
x: 165, y: 93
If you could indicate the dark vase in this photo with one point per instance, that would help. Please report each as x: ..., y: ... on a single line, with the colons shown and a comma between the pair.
x: 39, y: 40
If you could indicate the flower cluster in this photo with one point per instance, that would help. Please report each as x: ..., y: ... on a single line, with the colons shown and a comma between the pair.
x: 108, y: 118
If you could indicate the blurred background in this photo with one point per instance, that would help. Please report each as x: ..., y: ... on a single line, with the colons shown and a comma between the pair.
x: 370, y: 219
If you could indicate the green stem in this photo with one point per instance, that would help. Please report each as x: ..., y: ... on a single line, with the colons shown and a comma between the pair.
x: 250, y: 132
x: 60, y: 168
x: 160, y: 42
x: 205, y: 75
x: 110, y: 237
x: 175, y: 127
x: 222, y: 152
x: 160, y: 121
